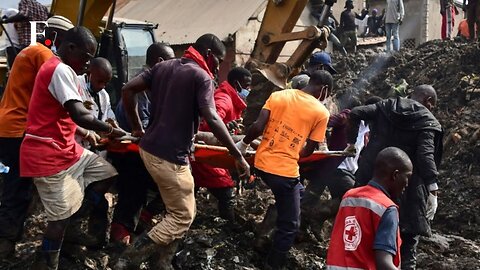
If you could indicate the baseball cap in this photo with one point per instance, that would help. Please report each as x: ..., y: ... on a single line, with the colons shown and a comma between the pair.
x: 324, y: 59
x: 300, y: 81
x: 60, y: 22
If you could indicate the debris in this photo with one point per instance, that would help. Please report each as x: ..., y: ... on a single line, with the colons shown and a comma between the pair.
x: 212, y: 244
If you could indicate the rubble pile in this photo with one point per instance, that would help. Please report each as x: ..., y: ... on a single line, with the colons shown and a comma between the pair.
x: 453, y: 69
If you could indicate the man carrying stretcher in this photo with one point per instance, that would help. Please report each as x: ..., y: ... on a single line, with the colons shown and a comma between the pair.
x: 288, y: 120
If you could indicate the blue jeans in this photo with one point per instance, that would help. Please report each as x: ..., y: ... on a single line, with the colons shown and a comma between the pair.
x: 392, y: 30
x: 287, y: 192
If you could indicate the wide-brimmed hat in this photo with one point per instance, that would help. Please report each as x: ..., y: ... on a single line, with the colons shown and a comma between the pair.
x: 277, y: 73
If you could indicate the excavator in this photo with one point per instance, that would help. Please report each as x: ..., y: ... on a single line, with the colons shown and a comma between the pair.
x: 276, y: 29
x: 123, y: 42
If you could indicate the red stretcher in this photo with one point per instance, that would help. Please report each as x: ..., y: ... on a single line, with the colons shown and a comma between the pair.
x: 218, y: 156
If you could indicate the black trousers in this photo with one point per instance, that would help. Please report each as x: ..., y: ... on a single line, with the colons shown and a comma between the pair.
x: 225, y: 197
x: 288, y: 193
x: 340, y: 182
x: 409, y: 250
x: 16, y: 193
x: 133, y: 184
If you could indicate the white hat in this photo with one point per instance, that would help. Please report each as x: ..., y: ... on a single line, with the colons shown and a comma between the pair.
x: 60, y: 22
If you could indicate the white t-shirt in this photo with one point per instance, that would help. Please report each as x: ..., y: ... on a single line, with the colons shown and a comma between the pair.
x: 351, y: 163
x: 64, y: 84
x: 104, y: 98
x: 92, y: 106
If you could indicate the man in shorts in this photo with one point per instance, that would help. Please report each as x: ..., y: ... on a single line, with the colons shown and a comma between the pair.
x: 63, y: 171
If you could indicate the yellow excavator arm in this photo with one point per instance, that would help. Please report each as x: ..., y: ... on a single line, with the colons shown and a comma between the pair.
x: 276, y: 29
x: 94, y: 11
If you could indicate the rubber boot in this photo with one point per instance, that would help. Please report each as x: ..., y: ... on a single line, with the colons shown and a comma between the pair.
x: 74, y: 234
x: 139, y: 251
x: 166, y: 255
x: 46, y: 260
x: 276, y: 260
x: 265, y: 229
x: 321, y: 212
x: 226, y: 211
x: 302, y: 234
x: 98, y: 223
x: 226, y: 202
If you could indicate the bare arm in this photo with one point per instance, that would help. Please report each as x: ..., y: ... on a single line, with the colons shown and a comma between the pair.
x: 309, y: 148
x: 219, y: 130
x: 82, y: 117
x: 257, y: 128
x: 384, y: 260
x: 129, y: 90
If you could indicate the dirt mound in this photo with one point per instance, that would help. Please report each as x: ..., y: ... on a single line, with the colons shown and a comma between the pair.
x: 453, y: 69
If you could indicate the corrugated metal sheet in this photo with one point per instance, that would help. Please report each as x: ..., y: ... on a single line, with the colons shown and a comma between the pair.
x: 183, y: 21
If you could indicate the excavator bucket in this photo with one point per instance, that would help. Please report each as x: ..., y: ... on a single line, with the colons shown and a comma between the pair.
x: 92, y: 15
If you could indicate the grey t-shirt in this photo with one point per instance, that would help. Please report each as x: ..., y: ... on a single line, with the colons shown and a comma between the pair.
x: 394, y: 11
x: 178, y: 88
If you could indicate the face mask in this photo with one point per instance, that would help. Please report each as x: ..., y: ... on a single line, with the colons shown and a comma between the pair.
x: 54, y: 48
x: 324, y: 101
x: 243, y: 94
x: 89, y: 85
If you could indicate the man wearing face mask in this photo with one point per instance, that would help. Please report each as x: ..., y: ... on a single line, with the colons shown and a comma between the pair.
x: 289, y: 119
x: 230, y: 105
x: 409, y: 125
x: 320, y: 61
x: 17, y: 192
x: 95, y: 98
x: 181, y: 91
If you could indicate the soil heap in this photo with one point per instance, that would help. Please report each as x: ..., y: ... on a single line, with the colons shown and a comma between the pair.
x: 453, y: 70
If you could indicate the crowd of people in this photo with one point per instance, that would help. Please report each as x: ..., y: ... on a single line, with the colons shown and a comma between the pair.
x: 56, y: 117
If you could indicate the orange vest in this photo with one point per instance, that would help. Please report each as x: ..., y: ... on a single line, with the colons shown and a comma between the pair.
x: 351, y: 243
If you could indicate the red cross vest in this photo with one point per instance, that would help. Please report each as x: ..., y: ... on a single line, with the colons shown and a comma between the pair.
x: 351, y: 243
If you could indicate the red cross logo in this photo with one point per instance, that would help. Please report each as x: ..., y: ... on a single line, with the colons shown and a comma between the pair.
x: 351, y: 233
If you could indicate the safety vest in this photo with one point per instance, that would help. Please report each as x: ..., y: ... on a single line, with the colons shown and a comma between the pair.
x: 351, y: 243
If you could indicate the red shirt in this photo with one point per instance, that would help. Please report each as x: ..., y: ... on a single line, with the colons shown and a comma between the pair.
x: 49, y: 145
x: 229, y: 107
x: 353, y: 235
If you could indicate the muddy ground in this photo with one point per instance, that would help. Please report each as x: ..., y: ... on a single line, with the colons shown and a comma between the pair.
x: 453, y: 69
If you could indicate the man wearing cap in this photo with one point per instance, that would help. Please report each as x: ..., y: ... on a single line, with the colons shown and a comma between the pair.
x: 348, y: 26
x: 320, y: 61
x: 375, y: 24
x: 17, y: 192
x: 292, y: 122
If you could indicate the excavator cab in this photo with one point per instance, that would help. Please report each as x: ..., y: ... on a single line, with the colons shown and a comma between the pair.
x: 123, y: 42
x: 125, y: 45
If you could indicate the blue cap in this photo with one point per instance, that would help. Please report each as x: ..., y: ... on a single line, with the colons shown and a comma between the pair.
x: 324, y: 59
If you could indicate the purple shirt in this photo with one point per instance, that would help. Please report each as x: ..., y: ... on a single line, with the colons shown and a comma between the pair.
x: 178, y: 88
